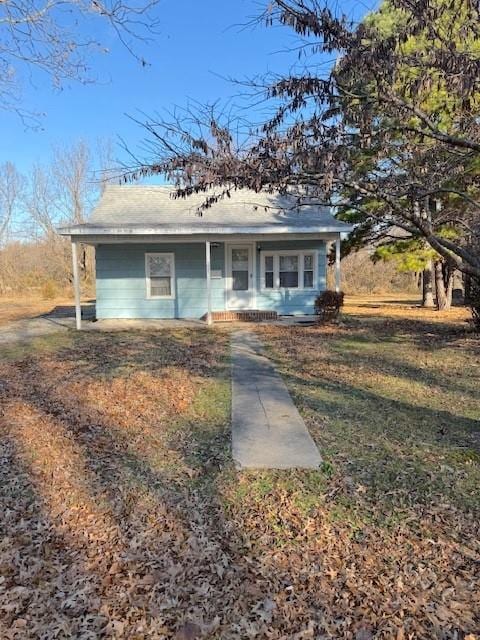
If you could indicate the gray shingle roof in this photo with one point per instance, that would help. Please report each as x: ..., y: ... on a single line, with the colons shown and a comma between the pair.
x: 153, y: 209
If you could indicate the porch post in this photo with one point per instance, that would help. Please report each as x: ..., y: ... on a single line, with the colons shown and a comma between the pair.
x: 209, y: 282
x: 76, y: 287
x: 254, y: 275
x: 338, y: 280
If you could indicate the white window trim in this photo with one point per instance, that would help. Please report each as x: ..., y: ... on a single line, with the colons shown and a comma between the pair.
x: 171, y: 256
x: 276, y: 269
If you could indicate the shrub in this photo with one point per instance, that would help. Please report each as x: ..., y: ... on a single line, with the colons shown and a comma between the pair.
x: 328, y: 304
x: 474, y: 301
x: 49, y: 290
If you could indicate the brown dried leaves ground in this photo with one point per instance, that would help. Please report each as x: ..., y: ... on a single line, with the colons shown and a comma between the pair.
x: 123, y: 517
x: 107, y: 535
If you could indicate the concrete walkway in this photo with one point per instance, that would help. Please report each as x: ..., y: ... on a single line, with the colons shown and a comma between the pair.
x: 267, y: 430
x: 30, y: 328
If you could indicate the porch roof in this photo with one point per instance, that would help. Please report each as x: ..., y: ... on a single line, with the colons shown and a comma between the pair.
x: 154, y: 211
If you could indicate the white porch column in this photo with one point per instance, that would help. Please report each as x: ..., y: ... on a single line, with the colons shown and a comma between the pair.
x: 209, y: 282
x: 338, y: 277
x: 254, y: 274
x: 76, y: 287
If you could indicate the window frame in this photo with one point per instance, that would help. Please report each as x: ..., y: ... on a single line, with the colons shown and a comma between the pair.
x: 264, y: 272
x: 171, y: 257
x: 275, y: 254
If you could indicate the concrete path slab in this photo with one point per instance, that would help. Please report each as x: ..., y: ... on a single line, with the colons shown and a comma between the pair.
x: 30, y: 328
x: 267, y: 430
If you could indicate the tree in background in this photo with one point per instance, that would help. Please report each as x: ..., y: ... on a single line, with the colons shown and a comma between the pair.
x: 63, y: 191
x: 57, y: 192
x: 444, y: 107
x: 360, y: 136
x: 361, y: 275
x: 58, y: 38
x: 472, y: 290
x: 12, y: 186
x: 12, y: 193
x: 415, y: 255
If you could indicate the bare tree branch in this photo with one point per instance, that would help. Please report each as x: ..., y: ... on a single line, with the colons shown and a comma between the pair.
x: 49, y: 36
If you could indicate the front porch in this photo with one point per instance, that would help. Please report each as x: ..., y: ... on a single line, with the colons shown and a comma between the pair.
x: 63, y: 318
x: 213, y: 279
x: 157, y: 258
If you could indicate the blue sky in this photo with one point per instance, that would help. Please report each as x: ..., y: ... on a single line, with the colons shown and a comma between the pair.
x: 199, y: 44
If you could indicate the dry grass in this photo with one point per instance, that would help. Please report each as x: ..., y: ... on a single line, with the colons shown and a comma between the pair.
x: 103, y: 442
x: 391, y: 397
x: 402, y: 306
x: 124, y: 518
x: 12, y: 309
x: 18, y: 308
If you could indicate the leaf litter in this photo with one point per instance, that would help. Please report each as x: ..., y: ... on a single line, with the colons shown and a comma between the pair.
x: 122, y: 516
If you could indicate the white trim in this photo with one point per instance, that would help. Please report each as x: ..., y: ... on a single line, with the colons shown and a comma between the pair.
x: 95, y: 239
x: 219, y: 230
x: 254, y: 275
x: 225, y: 275
x: 172, y: 275
x: 338, y: 278
x: 275, y: 254
x: 228, y: 273
x: 208, y: 274
x: 76, y: 287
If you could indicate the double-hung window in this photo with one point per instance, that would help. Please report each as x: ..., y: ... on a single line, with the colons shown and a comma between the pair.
x: 160, y: 275
x: 308, y: 270
x: 289, y: 269
x: 269, y: 272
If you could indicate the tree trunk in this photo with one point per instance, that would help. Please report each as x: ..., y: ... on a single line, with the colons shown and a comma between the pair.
x: 427, y: 287
x: 83, y: 261
x: 443, y: 285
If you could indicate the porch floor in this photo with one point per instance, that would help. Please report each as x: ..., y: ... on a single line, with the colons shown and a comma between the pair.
x: 64, y: 317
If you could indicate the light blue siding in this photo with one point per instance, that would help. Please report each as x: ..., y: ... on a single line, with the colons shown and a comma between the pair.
x: 289, y: 301
x: 121, y: 285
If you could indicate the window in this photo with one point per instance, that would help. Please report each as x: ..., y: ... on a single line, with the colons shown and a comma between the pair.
x: 289, y: 269
x: 288, y: 272
x: 268, y: 272
x: 308, y: 271
x: 160, y: 275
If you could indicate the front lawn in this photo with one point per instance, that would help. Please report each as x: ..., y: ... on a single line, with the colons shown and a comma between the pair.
x: 108, y: 445
x: 123, y: 516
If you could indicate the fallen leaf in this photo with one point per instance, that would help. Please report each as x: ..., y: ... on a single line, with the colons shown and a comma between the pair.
x: 189, y: 631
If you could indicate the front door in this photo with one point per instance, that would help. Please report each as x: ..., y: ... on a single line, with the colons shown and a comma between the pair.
x: 240, y: 276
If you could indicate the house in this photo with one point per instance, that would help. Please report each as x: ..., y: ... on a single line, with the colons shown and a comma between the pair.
x: 157, y: 257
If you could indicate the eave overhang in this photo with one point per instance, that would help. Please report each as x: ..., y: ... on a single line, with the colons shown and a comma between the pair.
x: 163, y: 231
